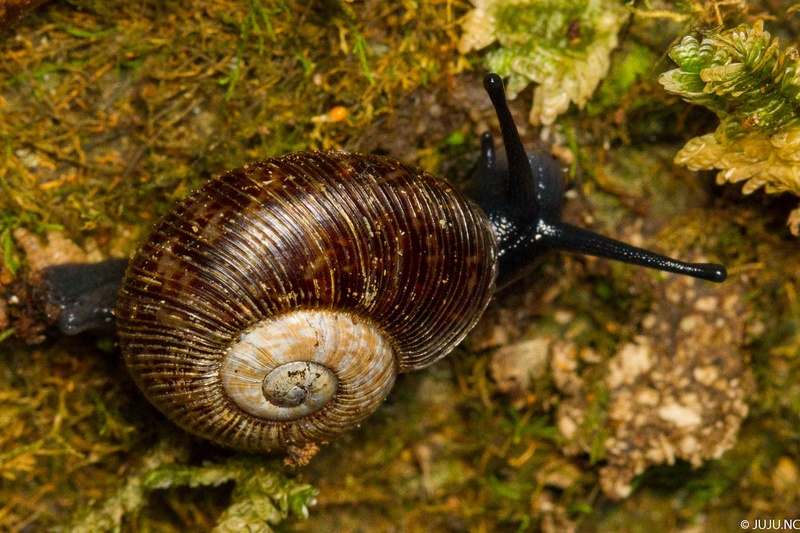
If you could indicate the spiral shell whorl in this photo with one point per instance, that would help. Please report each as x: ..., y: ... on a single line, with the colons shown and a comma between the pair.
x: 321, y: 356
x: 391, y: 248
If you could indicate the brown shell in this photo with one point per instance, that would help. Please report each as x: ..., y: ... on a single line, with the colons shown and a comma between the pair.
x: 371, y: 237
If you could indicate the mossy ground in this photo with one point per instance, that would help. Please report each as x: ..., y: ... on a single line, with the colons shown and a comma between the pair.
x: 110, y: 111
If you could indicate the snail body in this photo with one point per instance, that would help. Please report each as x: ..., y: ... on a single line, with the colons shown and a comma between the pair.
x: 276, y: 305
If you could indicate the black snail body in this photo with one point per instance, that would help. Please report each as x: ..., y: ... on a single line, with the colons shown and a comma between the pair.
x: 276, y: 305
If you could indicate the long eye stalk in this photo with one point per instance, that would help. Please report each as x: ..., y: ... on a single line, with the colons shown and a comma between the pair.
x: 519, y: 169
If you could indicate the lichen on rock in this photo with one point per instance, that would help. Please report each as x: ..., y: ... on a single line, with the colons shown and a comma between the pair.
x: 675, y: 392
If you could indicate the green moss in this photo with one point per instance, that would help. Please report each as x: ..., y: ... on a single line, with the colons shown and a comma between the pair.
x: 753, y: 86
x: 633, y: 65
x: 563, y: 46
x: 117, y: 113
x: 262, y: 497
x: 742, y: 75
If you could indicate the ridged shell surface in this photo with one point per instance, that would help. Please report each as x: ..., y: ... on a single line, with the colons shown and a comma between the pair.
x: 373, y: 243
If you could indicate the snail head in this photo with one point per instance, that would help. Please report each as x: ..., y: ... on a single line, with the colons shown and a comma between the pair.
x: 522, y: 200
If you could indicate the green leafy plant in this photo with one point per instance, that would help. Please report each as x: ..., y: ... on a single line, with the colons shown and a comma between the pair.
x: 753, y: 86
x: 262, y: 497
x: 562, y: 45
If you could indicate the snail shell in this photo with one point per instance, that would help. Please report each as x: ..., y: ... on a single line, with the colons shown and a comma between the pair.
x: 276, y: 305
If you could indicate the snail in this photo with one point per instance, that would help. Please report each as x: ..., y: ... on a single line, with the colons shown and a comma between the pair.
x: 276, y: 305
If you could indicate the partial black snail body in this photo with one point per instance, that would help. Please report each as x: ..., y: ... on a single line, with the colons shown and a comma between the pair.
x: 276, y: 305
